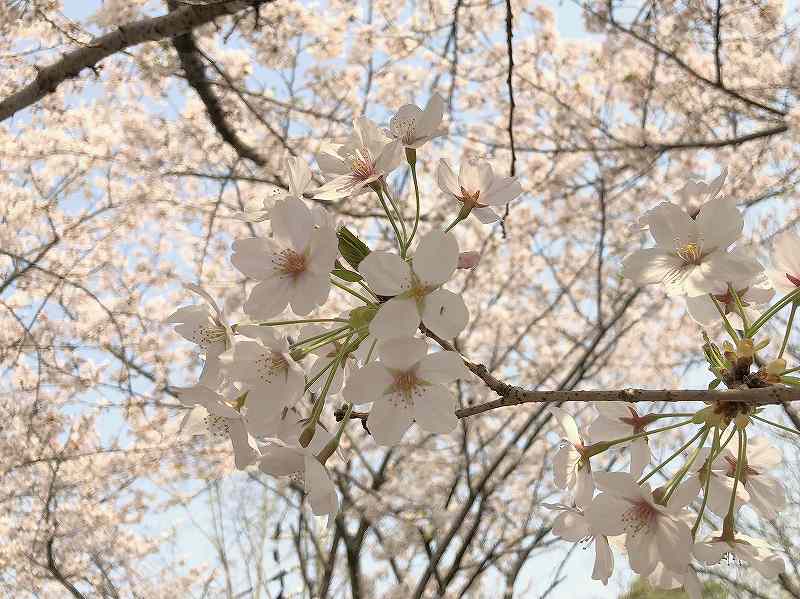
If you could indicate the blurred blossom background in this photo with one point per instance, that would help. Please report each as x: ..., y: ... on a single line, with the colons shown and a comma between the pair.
x: 125, y: 183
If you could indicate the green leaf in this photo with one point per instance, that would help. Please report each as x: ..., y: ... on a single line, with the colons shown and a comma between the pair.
x: 352, y: 249
x: 347, y: 275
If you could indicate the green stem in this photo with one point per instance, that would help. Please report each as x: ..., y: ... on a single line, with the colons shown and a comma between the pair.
x: 775, y: 424
x: 457, y: 220
x: 416, y: 209
x: 316, y: 338
x: 712, y: 454
x: 773, y: 310
x: 278, y: 323
x: 678, y: 452
x: 728, y: 326
x: 790, y: 371
x: 598, y: 448
x: 352, y: 292
x: 728, y: 522
x: 399, y: 216
x: 788, y: 329
x: 740, y: 307
x: 397, y: 235
x: 679, y: 476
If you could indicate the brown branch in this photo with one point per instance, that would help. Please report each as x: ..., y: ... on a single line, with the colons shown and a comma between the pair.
x: 153, y: 29
x: 195, y: 73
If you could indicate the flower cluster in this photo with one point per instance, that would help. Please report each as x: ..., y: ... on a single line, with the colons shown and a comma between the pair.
x: 696, y: 256
x: 266, y: 383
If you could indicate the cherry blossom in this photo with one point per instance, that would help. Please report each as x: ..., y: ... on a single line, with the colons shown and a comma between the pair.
x: 741, y: 548
x: 293, y: 267
x: 407, y: 384
x: 300, y: 465
x: 477, y: 187
x: 366, y: 157
x: 571, y: 466
x: 690, y: 256
x: 571, y: 525
x: 298, y: 176
x: 213, y: 415
x: 654, y: 533
x: 785, y: 271
x: 206, y: 326
x: 663, y: 578
x: 264, y: 365
x: 324, y: 355
x: 763, y: 491
x: 415, y: 127
x: 617, y: 420
x: 752, y: 297
x: 415, y: 289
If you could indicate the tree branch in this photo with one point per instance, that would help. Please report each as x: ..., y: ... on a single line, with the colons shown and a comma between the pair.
x: 153, y: 29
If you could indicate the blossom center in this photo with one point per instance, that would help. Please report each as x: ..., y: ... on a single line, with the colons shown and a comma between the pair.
x: 405, y: 382
x: 638, y: 423
x: 471, y: 199
x: 208, y: 335
x: 640, y: 517
x: 271, y: 363
x: 291, y: 263
x: 728, y: 300
x: 362, y: 165
x: 691, y: 253
x: 746, y: 470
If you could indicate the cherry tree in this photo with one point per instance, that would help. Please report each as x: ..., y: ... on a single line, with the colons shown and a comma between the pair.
x: 404, y: 250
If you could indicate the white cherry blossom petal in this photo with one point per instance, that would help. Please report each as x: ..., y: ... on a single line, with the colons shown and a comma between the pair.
x: 445, y: 313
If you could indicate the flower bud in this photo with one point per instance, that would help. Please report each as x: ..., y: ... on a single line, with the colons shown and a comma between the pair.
x: 468, y: 260
x: 776, y: 367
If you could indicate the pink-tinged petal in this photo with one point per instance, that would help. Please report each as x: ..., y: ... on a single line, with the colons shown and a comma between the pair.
x: 686, y: 492
x: 244, y: 446
x: 434, y: 409
x: 299, y: 176
x: 436, y: 258
x: 330, y: 162
x: 310, y: 291
x: 710, y: 552
x: 199, y: 395
x: 569, y: 428
x: 786, y: 254
x: 386, y: 273
x: 399, y: 317
x: 336, y: 189
x: 390, y: 157
x: 719, y: 223
x: 650, y: 266
x: 606, y: 429
x: 702, y: 310
x: 446, y: 178
x: 320, y: 489
x: 281, y: 461
x: 620, y: 484
x: 428, y: 122
x: 571, y: 526
x: 670, y: 226
x: 642, y: 552
x: 564, y: 466
x: 269, y: 298
x: 389, y: 420
x: 762, y: 454
x: 674, y: 542
x: 640, y: 456
x: 324, y: 250
x: 604, y: 514
x: 253, y: 257
x: 487, y: 216
x: 212, y: 372
x: 766, y: 562
x: 442, y: 367
x: 292, y: 223
x: 445, y: 313
x: 767, y: 495
x: 401, y: 353
x: 501, y: 192
x: 615, y: 410
x: 603, y: 560
x: 368, y: 384
x: 473, y: 174
x: 727, y: 266
x: 584, y: 485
